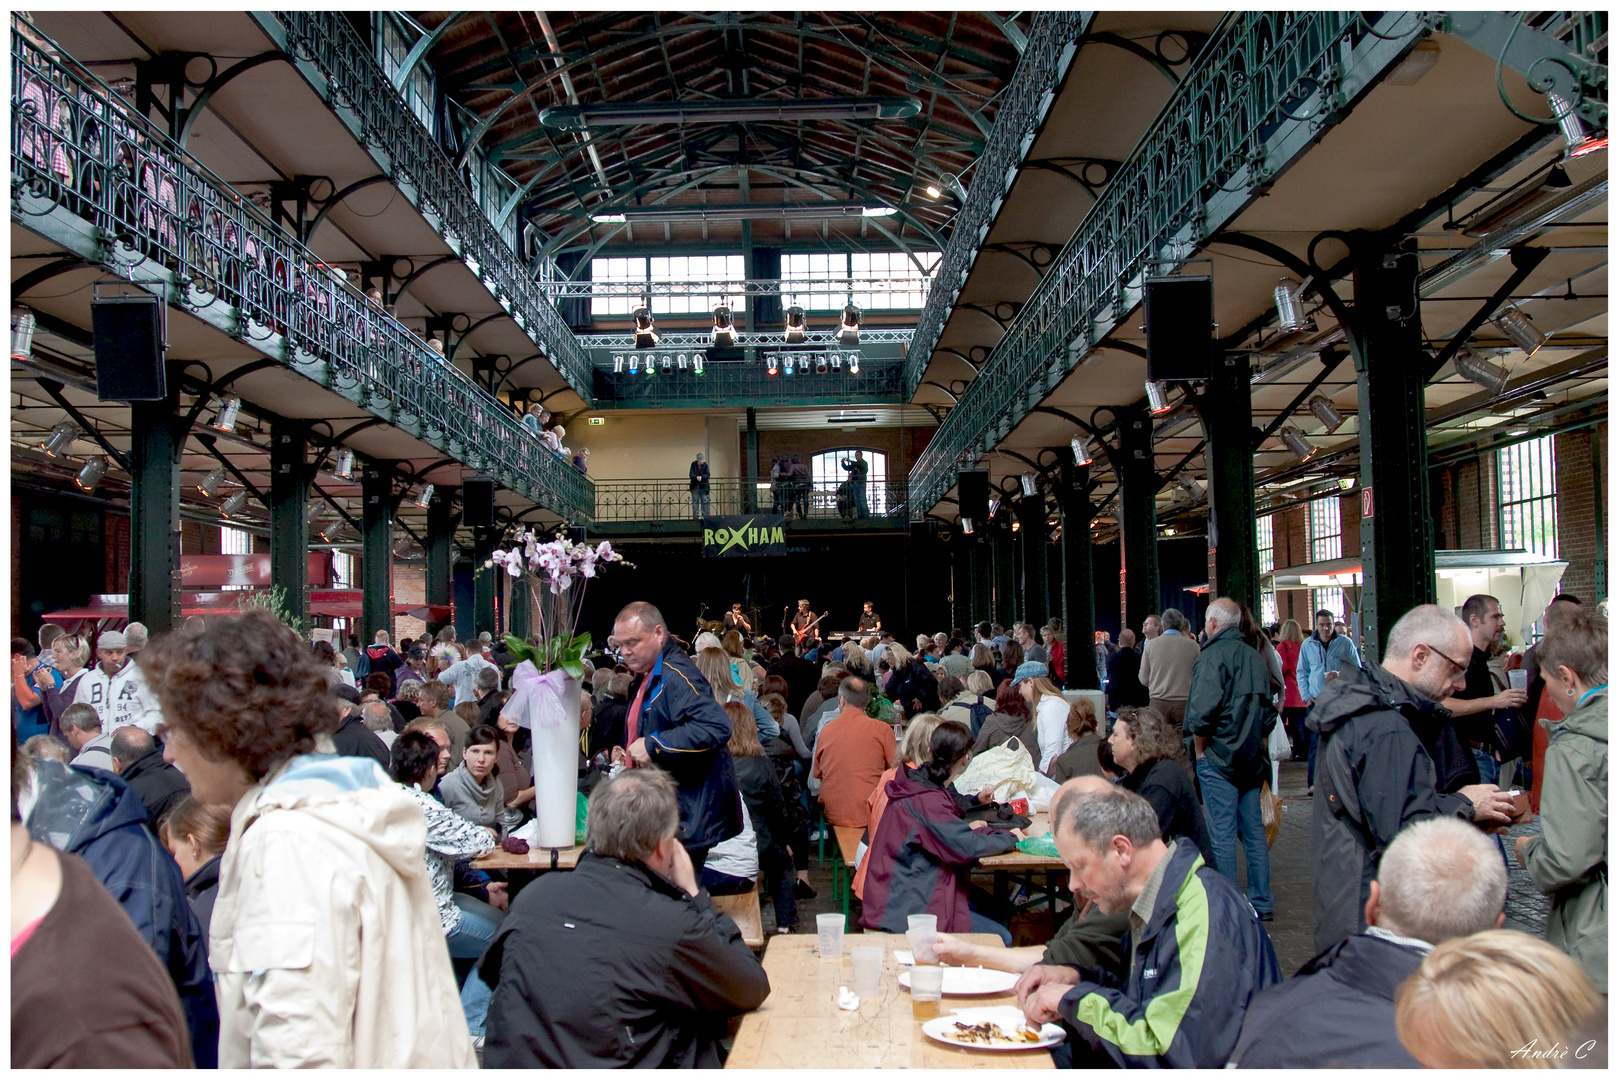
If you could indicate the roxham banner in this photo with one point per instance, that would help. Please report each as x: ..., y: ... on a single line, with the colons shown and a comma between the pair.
x: 744, y: 534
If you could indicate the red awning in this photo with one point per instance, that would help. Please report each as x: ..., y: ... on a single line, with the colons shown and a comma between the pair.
x: 325, y: 603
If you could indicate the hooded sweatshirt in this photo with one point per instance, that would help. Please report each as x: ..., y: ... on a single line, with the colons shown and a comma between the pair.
x: 326, y: 943
x: 121, y: 699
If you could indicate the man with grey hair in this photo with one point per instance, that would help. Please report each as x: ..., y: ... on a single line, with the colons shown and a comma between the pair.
x: 651, y: 970
x: 1374, y: 775
x: 137, y: 759
x: 1229, y: 717
x: 135, y: 639
x: 1196, y: 954
x: 1440, y: 879
x: 81, y: 726
x: 376, y: 716
x: 1166, y: 667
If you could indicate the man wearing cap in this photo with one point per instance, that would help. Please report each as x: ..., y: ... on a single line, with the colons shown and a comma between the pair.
x: 352, y: 738
x: 699, y: 487
x: 116, y: 689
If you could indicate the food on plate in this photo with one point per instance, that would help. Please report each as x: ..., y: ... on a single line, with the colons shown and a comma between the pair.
x: 992, y: 1034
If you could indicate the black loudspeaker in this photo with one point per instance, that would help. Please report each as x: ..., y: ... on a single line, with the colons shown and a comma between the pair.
x: 972, y: 493
x: 921, y: 532
x: 478, y: 503
x: 576, y: 534
x: 1180, y: 328
x: 129, y: 348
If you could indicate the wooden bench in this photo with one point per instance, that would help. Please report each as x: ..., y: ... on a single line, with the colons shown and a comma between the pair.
x: 843, y: 870
x: 743, y: 908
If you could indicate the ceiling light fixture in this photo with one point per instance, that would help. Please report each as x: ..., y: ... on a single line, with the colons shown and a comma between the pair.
x: 849, y: 326
x: 232, y: 507
x: 680, y: 361
x: 854, y: 363
x: 797, y: 329
x: 225, y: 419
x: 1030, y: 484
x: 315, y: 513
x: 770, y: 363
x: 675, y: 215
x: 1475, y: 369
x: 1580, y: 141
x: 635, y: 364
x: 1081, y: 446
x: 1325, y: 411
x: 344, y: 469
x: 686, y: 114
x: 1512, y: 322
x: 425, y: 497
x: 60, y: 438
x: 22, y: 333
x: 934, y: 191
x: 618, y: 363
x: 210, y: 483
x: 1158, y: 397
x: 1295, y: 441
x: 994, y: 505
x: 699, y: 360
x: 91, y: 474
x: 1289, y: 306
x: 966, y: 526
x: 646, y: 332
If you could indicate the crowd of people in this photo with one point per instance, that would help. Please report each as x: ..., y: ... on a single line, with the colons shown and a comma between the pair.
x: 288, y: 832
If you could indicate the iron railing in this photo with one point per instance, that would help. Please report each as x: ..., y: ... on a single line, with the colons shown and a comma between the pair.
x: 92, y: 174
x: 747, y: 339
x: 743, y: 383
x: 671, y: 500
x: 363, y: 97
x: 1053, y: 40
x: 1260, y: 92
x: 719, y: 292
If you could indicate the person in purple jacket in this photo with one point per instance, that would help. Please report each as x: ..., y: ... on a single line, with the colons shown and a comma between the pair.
x: 924, y: 848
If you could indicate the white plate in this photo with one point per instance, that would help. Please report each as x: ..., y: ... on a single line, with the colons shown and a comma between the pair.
x: 966, y: 982
x: 942, y: 1029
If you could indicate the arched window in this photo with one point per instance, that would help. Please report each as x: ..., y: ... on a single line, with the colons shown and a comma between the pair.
x: 827, y: 472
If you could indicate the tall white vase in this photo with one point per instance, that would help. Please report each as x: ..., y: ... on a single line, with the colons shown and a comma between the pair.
x: 556, y: 771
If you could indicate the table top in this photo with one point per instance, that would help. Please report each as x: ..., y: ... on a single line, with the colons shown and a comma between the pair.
x: 535, y: 859
x: 1017, y: 860
x: 800, y: 1025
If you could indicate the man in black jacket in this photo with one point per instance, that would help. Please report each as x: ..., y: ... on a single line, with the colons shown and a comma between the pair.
x: 1373, y: 776
x: 1440, y: 879
x: 624, y: 961
x: 1124, y: 674
x: 675, y: 723
x: 136, y: 758
x: 352, y: 738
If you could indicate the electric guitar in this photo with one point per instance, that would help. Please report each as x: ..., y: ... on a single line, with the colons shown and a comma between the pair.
x: 800, y: 635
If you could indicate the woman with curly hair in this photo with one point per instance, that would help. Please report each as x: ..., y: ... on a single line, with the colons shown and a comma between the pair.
x: 1154, y: 759
x: 326, y: 939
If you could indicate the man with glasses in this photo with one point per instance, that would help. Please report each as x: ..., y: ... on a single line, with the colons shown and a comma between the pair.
x: 1479, y: 702
x: 1375, y: 775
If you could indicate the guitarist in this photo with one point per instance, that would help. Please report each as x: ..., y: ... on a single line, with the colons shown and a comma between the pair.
x: 805, y: 630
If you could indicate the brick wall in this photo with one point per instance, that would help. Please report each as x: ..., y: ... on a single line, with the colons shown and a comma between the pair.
x: 410, y: 587
x: 1290, y: 530
x: 1582, y: 507
x: 1467, y: 519
x: 118, y: 539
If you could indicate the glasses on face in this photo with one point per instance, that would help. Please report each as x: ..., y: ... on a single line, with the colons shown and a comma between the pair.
x: 1452, y: 661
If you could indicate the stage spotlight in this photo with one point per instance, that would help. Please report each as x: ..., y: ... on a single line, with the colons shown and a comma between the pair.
x: 225, y: 419
x: 1296, y: 442
x: 1326, y: 412
x: 994, y: 504
x: 680, y: 361
x: 635, y: 364
x: 966, y: 526
x: 646, y: 333
x: 211, y: 482
x: 315, y: 513
x: 797, y: 329
x: 668, y: 362
x: 836, y: 361
x: 724, y: 327
x: 91, y: 474
x: 1081, y: 446
x: 820, y: 363
x: 849, y: 326
x: 854, y: 364
x: 425, y: 497
x: 1158, y: 398
x: 344, y: 469
x: 60, y: 438
x: 232, y: 507
x: 1580, y: 141
x: 1289, y: 306
x: 1512, y: 322
x: 1475, y: 369
x: 770, y: 363
x: 618, y: 363
x: 22, y: 333
x: 787, y: 366
x: 699, y: 360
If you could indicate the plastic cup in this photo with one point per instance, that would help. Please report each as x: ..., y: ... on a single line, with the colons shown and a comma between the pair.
x: 868, y: 970
x: 920, y: 932
x: 1518, y: 679
x: 829, y: 932
x: 927, y: 986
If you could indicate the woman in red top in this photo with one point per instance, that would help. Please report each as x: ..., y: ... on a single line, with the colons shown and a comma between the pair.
x: 1054, y: 650
x: 1292, y: 641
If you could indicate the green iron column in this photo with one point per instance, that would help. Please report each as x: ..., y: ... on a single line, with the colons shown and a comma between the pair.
x: 289, y: 521
x: 156, y: 438
x: 1228, y: 420
x: 1005, y: 603
x: 1078, y: 585
x: 440, y: 553
x: 1138, y: 517
x: 377, y: 554
x: 1397, y: 539
x: 484, y: 581
x: 1031, y: 512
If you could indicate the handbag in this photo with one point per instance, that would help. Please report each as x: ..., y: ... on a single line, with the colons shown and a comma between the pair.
x: 1514, y: 734
x: 1007, y: 770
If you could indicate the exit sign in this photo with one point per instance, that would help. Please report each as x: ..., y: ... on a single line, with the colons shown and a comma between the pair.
x: 597, y: 421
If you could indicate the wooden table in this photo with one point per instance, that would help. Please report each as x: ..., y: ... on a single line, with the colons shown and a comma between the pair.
x: 801, y: 1027
x: 1044, y: 878
x: 1017, y: 860
x: 535, y: 859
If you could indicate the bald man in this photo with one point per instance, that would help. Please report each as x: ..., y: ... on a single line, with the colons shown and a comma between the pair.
x: 1089, y: 938
x: 1229, y: 715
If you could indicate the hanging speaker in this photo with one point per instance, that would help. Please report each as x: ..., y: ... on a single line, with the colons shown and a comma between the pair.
x: 1180, y: 328
x: 129, y: 348
x: 478, y: 502
x: 972, y: 493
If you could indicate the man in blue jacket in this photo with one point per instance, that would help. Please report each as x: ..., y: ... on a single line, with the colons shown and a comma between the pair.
x: 1197, y: 954
x: 675, y: 723
x: 1321, y: 660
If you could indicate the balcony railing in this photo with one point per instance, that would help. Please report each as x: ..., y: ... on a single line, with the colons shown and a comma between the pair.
x: 90, y: 173
x: 356, y: 86
x: 671, y: 500
x: 1262, y: 90
x: 1023, y: 106
x: 744, y: 383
